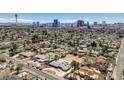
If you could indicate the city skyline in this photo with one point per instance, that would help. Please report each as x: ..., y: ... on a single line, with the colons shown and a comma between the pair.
x: 63, y: 17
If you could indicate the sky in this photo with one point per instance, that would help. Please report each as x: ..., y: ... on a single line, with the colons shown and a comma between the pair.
x: 62, y: 17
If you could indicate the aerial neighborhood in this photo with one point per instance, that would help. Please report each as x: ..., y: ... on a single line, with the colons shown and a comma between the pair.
x: 58, y: 53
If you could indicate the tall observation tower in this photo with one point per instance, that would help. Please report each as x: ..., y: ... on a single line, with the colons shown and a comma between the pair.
x: 16, y: 18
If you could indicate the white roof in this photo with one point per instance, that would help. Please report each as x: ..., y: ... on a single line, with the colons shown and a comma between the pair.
x: 60, y: 63
x: 1, y: 66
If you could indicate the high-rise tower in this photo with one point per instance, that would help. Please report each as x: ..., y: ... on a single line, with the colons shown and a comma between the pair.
x: 16, y: 18
x: 80, y: 23
x: 56, y: 23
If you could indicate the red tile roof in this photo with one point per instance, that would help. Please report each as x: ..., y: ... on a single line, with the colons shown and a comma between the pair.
x: 103, y: 61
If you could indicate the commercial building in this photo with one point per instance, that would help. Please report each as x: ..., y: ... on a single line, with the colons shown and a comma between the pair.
x: 56, y: 23
x: 33, y: 24
x: 38, y: 24
x: 88, y: 25
x: 95, y: 23
x: 80, y: 23
x: 104, y: 23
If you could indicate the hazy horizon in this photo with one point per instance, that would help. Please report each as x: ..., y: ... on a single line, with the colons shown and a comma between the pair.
x: 62, y: 17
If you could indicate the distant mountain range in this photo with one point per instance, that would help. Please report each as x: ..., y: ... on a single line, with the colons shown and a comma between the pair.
x: 12, y: 24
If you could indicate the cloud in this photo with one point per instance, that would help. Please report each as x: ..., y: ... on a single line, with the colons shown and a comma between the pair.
x: 74, y: 20
x: 86, y: 19
x: 106, y: 18
x: 68, y: 21
x: 20, y: 20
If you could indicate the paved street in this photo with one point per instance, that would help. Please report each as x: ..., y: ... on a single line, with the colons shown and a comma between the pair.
x: 118, y: 71
x: 42, y: 74
x: 37, y: 72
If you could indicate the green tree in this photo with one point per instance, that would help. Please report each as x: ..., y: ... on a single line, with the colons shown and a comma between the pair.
x: 19, y: 67
x: 56, y: 57
x: 105, y: 49
x: 93, y: 44
x: 2, y: 59
x: 13, y: 49
x: 35, y: 39
x: 25, y: 77
x: 11, y: 68
x: 75, y: 65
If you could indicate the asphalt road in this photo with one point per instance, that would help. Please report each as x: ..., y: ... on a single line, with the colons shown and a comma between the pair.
x: 37, y: 72
x: 42, y: 74
x: 118, y: 71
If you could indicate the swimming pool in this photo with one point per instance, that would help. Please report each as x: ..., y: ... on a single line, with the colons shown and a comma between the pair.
x: 65, y: 62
